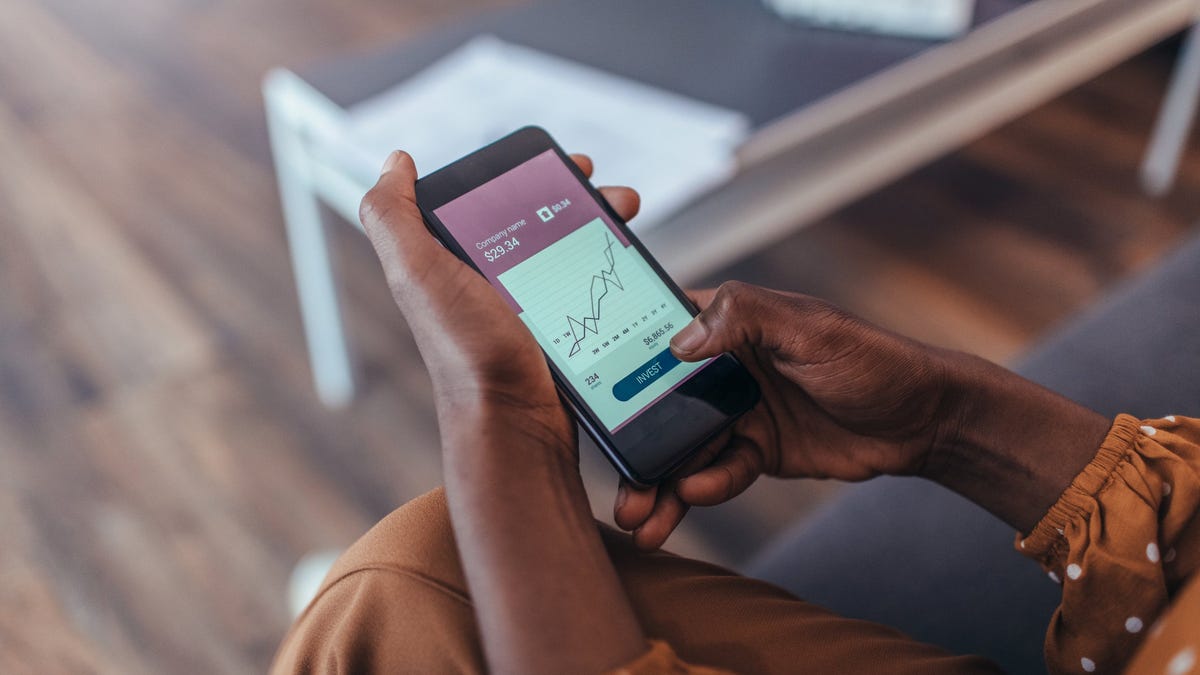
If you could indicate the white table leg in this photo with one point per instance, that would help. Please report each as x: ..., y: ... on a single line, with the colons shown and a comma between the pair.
x: 311, y: 265
x: 1174, y: 119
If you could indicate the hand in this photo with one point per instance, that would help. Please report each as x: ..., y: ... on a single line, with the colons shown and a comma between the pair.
x: 443, y: 299
x: 844, y: 399
x: 513, y: 490
x: 841, y: 399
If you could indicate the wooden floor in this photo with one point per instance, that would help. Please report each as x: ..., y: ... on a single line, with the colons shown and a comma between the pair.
x: 163, y: 461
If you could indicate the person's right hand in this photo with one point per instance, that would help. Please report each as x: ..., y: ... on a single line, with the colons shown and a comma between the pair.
x: 841, y: 399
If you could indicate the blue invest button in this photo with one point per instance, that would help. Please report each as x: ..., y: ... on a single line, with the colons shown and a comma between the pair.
x: 641, y: 378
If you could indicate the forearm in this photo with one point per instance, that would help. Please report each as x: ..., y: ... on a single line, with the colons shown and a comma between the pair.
x: 1012, y: 446
x: 546, y: 595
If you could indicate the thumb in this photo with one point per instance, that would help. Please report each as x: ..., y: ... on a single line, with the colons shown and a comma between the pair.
x: 392, y: 203
x: 392, y: 220
x: 739, y: 314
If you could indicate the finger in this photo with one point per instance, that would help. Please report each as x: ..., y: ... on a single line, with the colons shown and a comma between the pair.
x: 393, y: 195
x: 705, y: 455
x: 740, y: 314
x: 633, y: 505
x: 669, y: 511
x: 393, y: 223
x: 734, y: 471
x: 583, y: 162
x: 625, y: 201
x: 701, y: 297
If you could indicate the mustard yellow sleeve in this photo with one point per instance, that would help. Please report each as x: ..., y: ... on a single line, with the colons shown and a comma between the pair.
x: 1172, y: 645
x: 1123, y: 540
x: 661, y: 660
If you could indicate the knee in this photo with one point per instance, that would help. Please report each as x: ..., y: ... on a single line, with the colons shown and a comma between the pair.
x: 416, y: 537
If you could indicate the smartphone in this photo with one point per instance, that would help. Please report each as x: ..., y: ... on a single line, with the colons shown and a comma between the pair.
x: 521, y: 213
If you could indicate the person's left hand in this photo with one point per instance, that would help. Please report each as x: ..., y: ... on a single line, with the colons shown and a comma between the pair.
x: 446, y: 302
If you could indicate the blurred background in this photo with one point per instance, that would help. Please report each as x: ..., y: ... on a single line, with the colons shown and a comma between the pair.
x: 164, y: 457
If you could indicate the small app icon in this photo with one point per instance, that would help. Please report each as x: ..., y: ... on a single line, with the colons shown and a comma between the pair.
x: 545, y: 213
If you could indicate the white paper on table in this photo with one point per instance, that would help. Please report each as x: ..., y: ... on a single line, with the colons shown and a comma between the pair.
x: 669, y: 147
x: 924, y: 19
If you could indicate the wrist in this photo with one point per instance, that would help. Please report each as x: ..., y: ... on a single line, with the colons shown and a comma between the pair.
x: 961, y: 387
x: 963, y: 391
x: 492, y: 455
x: 1009, y: 444
x: 517, y: 503
x: 479, y: 425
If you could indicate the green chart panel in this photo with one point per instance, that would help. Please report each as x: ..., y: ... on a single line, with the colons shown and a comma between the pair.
x: 600, y: 311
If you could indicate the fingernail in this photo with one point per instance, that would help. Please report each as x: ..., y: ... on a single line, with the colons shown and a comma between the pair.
x: 690, y: 338
x: 391, y: 162
x: 622, y: 495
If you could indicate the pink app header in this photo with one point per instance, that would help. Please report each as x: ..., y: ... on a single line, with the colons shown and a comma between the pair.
x: 536, y: 203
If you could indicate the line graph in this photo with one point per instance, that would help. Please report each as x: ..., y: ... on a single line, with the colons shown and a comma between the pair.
x: 586, y: 295
x: 579, y: 327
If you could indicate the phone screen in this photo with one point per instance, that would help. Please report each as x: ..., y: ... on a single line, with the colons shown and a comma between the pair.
x: 590, y: 298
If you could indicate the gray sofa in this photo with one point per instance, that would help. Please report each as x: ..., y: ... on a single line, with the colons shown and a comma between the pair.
x: 910, y: 554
